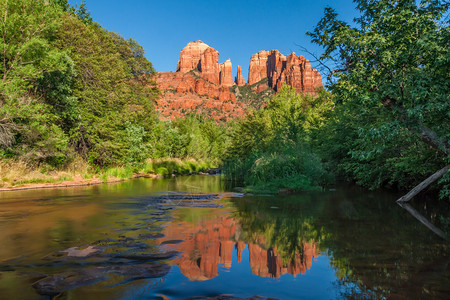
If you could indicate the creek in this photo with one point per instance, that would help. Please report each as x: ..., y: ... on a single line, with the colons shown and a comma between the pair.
x: 190, y: 237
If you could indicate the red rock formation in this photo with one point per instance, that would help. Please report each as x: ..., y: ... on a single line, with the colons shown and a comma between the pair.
x: 239, y: 80
x: 190, y: 56
x: 240, y: 246
x: 202, y: 84
x: 186, y: 92
x: 276, y: 63
x: 278, y: 69
x: 258, y: 67
x: 209, y: 65
x: 226, y: 73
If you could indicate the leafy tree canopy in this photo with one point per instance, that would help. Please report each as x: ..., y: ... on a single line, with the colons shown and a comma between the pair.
x: 391, y: 72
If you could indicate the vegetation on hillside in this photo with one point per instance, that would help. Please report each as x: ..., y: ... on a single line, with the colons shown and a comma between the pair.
x: 248, y: 94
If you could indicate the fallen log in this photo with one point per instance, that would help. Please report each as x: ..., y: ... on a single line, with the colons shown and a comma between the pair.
x: 423, y: 185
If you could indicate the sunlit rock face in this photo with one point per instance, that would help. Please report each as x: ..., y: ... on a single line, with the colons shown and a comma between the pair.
x: 210, y: 243
x: 226, y: 73
x: 204, y: 85
x: 209, y: 65
x: 191, y: 55
x: 239, y: 80
x: 292, y: 70
x: 200, y: 84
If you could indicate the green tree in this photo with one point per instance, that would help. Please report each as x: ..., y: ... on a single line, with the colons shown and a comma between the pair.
x: 112, y: 91
x: 28, y: 125
x: 270, y: 148
x: 392, y: 68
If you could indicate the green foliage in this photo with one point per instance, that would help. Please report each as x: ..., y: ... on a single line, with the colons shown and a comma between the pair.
x: 287, y: 228
x: 270, y: 148
x: 192, y: 137
x: 137, y: 149
x: 391, y: 79
x: 248, y: 95
x: 80, y: 11
x: 68, y: 84
x: 113, y: 101
x: 28, y: 123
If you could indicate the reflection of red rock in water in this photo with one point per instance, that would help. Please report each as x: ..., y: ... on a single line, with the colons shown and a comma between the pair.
x: 267, y: 263
x: 206, y: 245
x: 212, y: 242
x: 240, y: 246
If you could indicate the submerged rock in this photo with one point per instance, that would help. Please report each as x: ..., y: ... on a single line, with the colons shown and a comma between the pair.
x: 229, y: 297
x: 145, y: 256
x: 172, y: 242
x: 86, y: 252
x: 56, y: 284
x: 151, y: 235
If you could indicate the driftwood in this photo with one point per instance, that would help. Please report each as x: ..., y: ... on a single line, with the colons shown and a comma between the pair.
x: 423, y: 185
x: 423, y: 220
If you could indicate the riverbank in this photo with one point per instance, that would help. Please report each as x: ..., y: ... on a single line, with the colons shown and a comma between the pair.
x: 16, y: 175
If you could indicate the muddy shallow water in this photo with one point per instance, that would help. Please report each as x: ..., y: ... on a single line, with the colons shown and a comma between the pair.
x: 188, y: 238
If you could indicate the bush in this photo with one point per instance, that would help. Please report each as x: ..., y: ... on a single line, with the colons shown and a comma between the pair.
x: 270, y: 148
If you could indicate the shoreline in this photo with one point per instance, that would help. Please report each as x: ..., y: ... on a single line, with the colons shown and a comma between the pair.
x: 74, y: 183
x: 96, y: 181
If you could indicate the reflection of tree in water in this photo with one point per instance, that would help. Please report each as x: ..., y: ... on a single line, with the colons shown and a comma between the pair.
x: 376, y: 248
x: 379, y: 249
x: 284, y: 227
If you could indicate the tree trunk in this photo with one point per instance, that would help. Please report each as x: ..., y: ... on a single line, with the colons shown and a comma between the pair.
x: 424, y: 184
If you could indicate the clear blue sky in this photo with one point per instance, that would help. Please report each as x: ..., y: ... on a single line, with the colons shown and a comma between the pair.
x: 237, y: 29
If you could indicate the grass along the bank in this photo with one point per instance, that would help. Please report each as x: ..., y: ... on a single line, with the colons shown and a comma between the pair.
x: 19, y: 174
x: 161, y: 166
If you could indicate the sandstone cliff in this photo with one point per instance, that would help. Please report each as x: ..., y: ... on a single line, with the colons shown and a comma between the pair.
x: 278, y: 69
x: 226, y: 73
x: 204, y: 85
x: 239, y: 80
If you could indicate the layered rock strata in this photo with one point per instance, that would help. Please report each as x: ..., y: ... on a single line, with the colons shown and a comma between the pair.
x: 239, y: 80
x: 278, y: 69
x: 226, y: 73
x: 203, y: 85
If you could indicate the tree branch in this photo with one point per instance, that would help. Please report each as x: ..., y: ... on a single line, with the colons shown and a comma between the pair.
x: 424, y: 133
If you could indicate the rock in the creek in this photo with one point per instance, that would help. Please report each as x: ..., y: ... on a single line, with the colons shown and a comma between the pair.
x: 229, y: 297
x: 86, y: 252
x: 151, y: 235
x: 172, y: 242
x: 145, y: 256
x: 56, y: 284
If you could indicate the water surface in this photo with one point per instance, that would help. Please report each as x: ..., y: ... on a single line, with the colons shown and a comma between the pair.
x: 339, y: 244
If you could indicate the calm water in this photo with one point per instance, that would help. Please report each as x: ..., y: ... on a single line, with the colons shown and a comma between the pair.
x: 347, y: 243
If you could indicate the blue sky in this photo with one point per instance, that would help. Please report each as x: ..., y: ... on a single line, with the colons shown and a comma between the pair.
x: 237, y: 29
